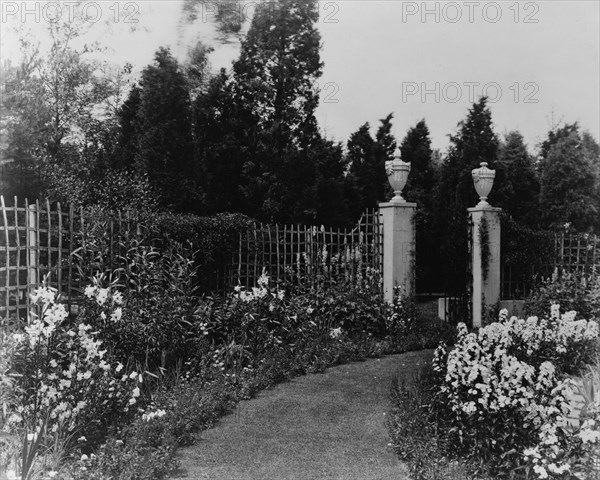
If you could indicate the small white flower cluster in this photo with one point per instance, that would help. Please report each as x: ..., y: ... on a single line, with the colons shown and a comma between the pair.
x: 590, y: 432
x: 151, y: 415
x: 335, y: 333
x: 400, y: 320
x: 260, y: 292
x: 109, y: 300
x: 41, y: 327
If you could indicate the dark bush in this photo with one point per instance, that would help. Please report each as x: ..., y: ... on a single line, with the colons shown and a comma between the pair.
x: 572, y: 291
x: 527, y: 252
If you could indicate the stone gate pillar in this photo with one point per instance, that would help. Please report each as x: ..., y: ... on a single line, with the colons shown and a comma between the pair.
x: 398, y: 233
x: 398, y: 246
x: 485, y: 257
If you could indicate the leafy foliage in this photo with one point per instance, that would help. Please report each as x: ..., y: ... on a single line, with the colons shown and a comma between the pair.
x: 569, y: 184
x: 475, y: 142
x: 413, y: 429
x: 64, y: 382
x: 421, y: 188
x: 157, y: 130
x: 249, y: 341
x: 367, y: 157
x: 501, y: 393
x: 571, y: 290
x: 517, y: 185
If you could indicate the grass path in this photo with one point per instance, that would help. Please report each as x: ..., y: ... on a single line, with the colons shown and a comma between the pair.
x: 316, y: 427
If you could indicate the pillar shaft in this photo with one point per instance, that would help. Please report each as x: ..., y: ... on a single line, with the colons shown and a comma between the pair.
x: 398, y: 246
x: 485, y: 259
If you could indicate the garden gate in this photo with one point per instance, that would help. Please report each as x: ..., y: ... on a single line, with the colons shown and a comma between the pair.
x: 457, y: 300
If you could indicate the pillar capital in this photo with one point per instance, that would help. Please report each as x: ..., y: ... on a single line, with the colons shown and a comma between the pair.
x: 484, y: 208
x: 397, y: 205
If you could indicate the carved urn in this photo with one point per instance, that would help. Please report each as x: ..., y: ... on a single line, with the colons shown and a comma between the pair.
x: 483, y: 179
x: 397, y: 173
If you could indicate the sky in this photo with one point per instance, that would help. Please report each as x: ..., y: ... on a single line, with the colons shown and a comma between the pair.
x: 538, y: 62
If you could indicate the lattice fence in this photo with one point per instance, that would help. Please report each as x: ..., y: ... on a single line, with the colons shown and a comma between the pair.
x: 43, y: 241
x: 299, y: 253
x: 570, y: 251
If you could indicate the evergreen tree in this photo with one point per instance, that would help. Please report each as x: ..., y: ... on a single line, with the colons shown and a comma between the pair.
x: 277, y: 97
x: 164, y: 143
x: 332, y: 206
x: 591, y: 150
x: 385, y: 148
x: 276, y: 73
x: 361, y: 157
x: 569, y: 185
x: 420, y: 188
x: 129, y: 131
x: 197, y: 69
x: 367, y: 157
x: 554, y: 135
x: 475, y: 142
x: 416, y: 149
x: 220, y: 138
x: 517, y: 189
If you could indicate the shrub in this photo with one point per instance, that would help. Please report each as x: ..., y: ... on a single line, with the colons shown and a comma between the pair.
x: 501, y: 390
x: 215, y: 240
x: 526, y: 251
x: 414, y: 431
x: 109, y: 190
x: 403, y: 318
x: 355, y: 306
x: 573, y: 291
x: 111, y: 246
x: 65, y: 382
x: 157, y: 324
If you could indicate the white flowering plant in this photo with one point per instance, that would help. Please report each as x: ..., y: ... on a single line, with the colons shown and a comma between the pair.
x: 504, y: 395
x: 402, y: 319
x: 151, y: 321
x: 256, y: 321
x: 66, y: 381
x: 572, y: 290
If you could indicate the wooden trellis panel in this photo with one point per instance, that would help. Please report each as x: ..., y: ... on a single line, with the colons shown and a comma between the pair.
x: 39, y: 241
x: 573, y: 252
x: 36, y: 241
x: 303, y: 254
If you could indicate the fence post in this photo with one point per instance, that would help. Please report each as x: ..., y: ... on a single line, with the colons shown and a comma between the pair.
x: 486, y: 246
x: 398, y: 246
x: 32, y: 247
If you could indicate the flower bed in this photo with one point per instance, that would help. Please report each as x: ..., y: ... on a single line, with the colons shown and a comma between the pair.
x: 500, y: 399
x: 113, y: 392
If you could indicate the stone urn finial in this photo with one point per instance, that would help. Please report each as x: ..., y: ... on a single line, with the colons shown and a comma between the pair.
x: 397, y: 173
x: 483, y: 179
